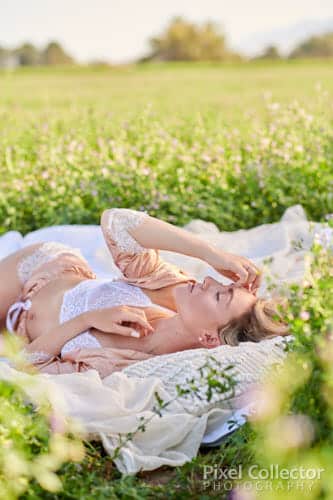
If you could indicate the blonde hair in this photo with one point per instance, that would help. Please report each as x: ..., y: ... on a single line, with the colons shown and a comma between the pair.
x: 263, y: 320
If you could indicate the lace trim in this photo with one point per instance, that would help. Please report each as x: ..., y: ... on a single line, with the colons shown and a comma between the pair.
x: 324, y: 237
x: 83, y: 340
x: 96, y: 294
x: 37, y: 356
x: 119, y: 221
x: 45, y: 253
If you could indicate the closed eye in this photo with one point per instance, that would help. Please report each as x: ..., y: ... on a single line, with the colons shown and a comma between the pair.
x: 231, y: 293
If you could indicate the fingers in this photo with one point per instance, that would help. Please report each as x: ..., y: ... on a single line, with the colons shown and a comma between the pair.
x: 145, y: 325
x: 137, y: 319
x: 243, y: 275
x: 257, y: 282
x: 127, y: 331
x: 252, y: 275
x: 241, y: 270
x: 249, y: 276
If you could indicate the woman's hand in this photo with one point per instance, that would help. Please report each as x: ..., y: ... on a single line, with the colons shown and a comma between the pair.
x: 239, y: 269
x: 122, y: 320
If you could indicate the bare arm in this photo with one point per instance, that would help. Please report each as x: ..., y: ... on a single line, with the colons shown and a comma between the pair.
x: 157, y: 234
x: 10, y: 284
x: 160, y: 235
x: 151, y: 233
x: 52, y: 341
x: 106, y: 320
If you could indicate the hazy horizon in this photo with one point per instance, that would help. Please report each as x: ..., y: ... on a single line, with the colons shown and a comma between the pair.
x: 119, y: 31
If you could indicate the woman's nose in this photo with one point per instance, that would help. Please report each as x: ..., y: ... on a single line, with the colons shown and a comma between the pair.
x: 206, y: 282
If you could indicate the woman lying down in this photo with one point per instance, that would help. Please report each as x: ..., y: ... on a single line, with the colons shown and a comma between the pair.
x: 72, y: 321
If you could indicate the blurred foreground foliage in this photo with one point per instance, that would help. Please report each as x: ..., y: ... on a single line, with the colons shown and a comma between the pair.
x: 294, y: 424
x: 35, y: 440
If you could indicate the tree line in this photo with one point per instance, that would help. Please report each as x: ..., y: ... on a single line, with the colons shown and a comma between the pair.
x: 181, y: 41
x: 29, y: 55
x: 186, y: 41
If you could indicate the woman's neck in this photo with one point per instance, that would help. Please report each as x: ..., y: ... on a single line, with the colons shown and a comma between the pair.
x: 169, y: 336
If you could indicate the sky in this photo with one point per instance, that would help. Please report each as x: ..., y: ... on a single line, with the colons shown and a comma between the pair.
x: 118, y: 30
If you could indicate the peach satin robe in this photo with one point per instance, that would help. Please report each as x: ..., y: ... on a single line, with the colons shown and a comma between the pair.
x: 139, y: 266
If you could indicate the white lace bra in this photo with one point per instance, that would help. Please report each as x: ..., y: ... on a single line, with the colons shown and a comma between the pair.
x: 98, y: 294
x: 91, y: 293
x: 47, y: 252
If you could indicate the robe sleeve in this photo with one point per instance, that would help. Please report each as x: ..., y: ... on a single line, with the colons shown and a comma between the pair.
x: 104, y: 360
x: 140, y: 266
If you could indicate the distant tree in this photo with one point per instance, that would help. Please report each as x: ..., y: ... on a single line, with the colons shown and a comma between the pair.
x: 3, y: 51
x: 185, y: 41
x: 271, y: 52
x: 8, y: 59
x: 27, y: 54
x: 54, y: 54
x: 3, y: 54
x: 315, y: 46
x: 99, y: 63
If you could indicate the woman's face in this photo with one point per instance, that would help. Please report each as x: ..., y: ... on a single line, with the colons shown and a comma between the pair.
x: 209, y: 305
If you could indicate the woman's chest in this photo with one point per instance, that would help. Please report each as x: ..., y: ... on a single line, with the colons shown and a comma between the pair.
x: 44, y: 312
x: 61, y: 300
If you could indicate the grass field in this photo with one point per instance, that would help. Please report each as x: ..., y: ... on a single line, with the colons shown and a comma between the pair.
x: 174, y: 89
x: 233, y: 144
x: 175, y: 132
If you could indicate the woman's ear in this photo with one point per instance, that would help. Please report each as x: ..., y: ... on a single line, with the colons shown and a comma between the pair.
x: 209, y: 339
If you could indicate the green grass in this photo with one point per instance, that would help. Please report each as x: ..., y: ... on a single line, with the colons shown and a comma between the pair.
x: 183, y: 142
x: 95, y: 478
x: 173, y: 89
x: 233, y: 144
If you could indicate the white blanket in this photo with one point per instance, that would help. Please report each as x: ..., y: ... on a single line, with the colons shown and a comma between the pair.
x: 114, y: 405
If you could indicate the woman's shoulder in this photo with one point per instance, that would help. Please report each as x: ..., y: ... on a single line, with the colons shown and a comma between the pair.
x: 10, y: 282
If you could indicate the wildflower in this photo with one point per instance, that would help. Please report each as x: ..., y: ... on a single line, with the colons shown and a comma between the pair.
x: 324, y: 237
x: 290, y: 432
x: 267, y: 401
x: 274, y: 106
x: 206, y: 158
x: 15, y: 465
x: 265, y: 141
x: 305, y: 315
x: 72, y: 146
x: 57, y: 423
x: 241, y: 493
x: 49, y: 481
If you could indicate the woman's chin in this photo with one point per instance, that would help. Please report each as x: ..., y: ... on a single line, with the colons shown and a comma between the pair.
x: 179, y: 290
